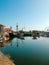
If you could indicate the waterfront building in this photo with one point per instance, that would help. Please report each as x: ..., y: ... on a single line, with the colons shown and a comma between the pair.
x: 7, y: 31
x: 2, y: 29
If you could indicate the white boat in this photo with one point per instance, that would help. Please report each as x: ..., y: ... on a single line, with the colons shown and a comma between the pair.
x: 1, y: 39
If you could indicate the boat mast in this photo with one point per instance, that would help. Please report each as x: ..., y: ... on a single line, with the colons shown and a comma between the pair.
x: 17, y: 27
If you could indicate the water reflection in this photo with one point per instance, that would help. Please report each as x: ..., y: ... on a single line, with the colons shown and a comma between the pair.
x: 34, y: 38
x: 17, y: 42
x: 33, y: 53
x: 17, y: 39
x: 2, y: 44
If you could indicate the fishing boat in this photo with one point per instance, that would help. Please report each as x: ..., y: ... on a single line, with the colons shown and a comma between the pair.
x: 1, y: 39
x: 47, y: 35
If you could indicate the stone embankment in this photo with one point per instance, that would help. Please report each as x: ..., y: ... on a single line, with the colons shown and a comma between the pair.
x: 4, y: 60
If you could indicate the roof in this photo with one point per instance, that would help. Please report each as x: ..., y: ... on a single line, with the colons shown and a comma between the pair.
x: 2, y: 25
x: 7, y: 29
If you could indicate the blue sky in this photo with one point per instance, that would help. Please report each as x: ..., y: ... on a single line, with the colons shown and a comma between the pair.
x: 31, y: 14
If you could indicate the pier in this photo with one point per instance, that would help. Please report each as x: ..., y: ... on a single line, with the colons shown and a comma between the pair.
x: 4, y: 60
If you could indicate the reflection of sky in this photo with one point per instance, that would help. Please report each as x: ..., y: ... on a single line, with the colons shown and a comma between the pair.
x: 33, y: 14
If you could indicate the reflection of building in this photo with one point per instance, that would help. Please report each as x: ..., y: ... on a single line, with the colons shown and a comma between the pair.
x: 1, y: 29
x: 2, y: 44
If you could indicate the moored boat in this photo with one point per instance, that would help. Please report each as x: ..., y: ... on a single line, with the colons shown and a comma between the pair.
x: 1, y: 39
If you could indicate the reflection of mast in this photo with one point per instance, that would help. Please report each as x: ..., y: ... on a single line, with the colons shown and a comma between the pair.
x: 11, y: 43
x: 2, y: 44
x: 17, y: 42
x: 22, y: 41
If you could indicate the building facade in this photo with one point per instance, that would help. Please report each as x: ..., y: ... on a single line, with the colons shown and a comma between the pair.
x: 2, y: 29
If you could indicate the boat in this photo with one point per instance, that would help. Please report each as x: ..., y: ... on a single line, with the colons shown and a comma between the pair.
x: 1, y: 39
x: 47, y: 34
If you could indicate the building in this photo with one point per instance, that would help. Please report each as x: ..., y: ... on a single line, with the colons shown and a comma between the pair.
x: 2, y: 29
x: 7, y: 31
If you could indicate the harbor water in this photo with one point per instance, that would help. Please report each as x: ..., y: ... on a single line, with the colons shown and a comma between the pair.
x: 27, y: 51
